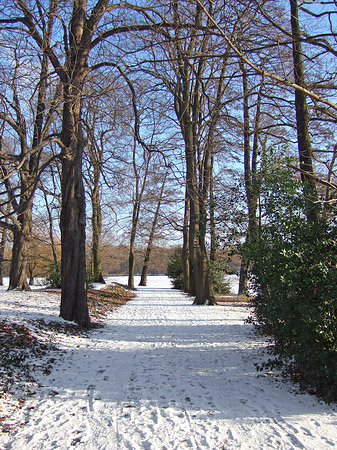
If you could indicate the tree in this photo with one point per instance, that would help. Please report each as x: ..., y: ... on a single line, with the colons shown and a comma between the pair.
x: 143, y: 278
x: 81, y: 38
x: 139, y: 189
x: 329, y: 107
x: 192, y: 75
x: 95, y: 155
x: 3, y: 240
x: 22, y: 167
x: 302, y: 120
x: 251, y: 175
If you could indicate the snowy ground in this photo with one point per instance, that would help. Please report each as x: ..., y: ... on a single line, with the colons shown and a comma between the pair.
x: 163, y: 374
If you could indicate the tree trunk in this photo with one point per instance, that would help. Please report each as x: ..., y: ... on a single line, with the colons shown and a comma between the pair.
x: 20, y: 252
x: 145, y: 269
x: 250, y: 176
x: 190, y: 108
x: 131, y: 278
x: 51, y: 230
x: 139, y: 191
x: 243, y: 278
x: 148, y: 250
x: 199, y: 261
x: 212, y: 255
x: 3, y: 240
x: 74, y: 306
x: 96, y: 235
x: 185, y: 255
x: 30, y: 270
x: 302, y: 121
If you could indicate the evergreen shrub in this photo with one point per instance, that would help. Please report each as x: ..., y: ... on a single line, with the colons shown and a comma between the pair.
x: 175, y: 271
x: 295, y: 276
x: 53, y: 276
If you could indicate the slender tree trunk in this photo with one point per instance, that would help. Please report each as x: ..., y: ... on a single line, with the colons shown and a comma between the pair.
x: 51, y: 230
x: 243, y: 277
x: 131, y: 278
x: 96, y: 235
x: 250, y: 176
x: 328, y: 189
x: 198, y: 279
x: 145, y: 269
x: 203, y: 201
x: 212, y: 255
x: 302, y: 121
x: 2, y: 254
x: 139, y: 191
x: 185, y: 250
x: 143, y: 278
x: 199, y: 260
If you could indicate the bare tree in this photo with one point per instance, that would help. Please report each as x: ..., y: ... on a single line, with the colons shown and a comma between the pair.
x: 82, y: 36
x: 302, y: 120
x: 21, y: 170
x: 143, y: 278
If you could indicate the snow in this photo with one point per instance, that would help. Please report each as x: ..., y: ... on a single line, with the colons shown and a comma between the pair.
x: 163, y: 374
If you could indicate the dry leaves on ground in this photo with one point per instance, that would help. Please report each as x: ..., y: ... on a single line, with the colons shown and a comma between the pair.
x: 30, y: 347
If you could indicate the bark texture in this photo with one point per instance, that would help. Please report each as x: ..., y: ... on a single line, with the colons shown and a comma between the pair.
x: 143, y: 278
x: 302, y: 121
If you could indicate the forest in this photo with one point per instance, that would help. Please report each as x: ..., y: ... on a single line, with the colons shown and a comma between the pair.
x: 204, y: 125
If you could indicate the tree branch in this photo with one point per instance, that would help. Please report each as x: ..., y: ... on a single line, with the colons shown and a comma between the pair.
x: 265, y: 73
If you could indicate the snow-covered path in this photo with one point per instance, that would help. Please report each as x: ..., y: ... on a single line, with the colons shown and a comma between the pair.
x: 164, y: 374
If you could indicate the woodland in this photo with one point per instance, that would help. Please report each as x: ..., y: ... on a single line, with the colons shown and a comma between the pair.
x: 208, y: 125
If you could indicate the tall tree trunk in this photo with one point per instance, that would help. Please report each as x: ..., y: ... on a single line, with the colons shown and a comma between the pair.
x: 143, y: 278
x: 212, y: 255
x: 74, y: 306
x: 132, y: 263
x: 206, y: 176
x: 302, y: 121
x: 250, y: 177
x: 2, y: 254
x: 185, y: 250
x: 139, y: 191
x: 96, y: 235
x: 199, y: 260
x: 51, y: 229
x: 187, y: 114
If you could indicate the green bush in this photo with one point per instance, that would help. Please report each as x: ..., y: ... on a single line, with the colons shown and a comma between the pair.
x: 295, y: 276
x: 53, y: 276
x: 220, y: 286
x: 175, y: 269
